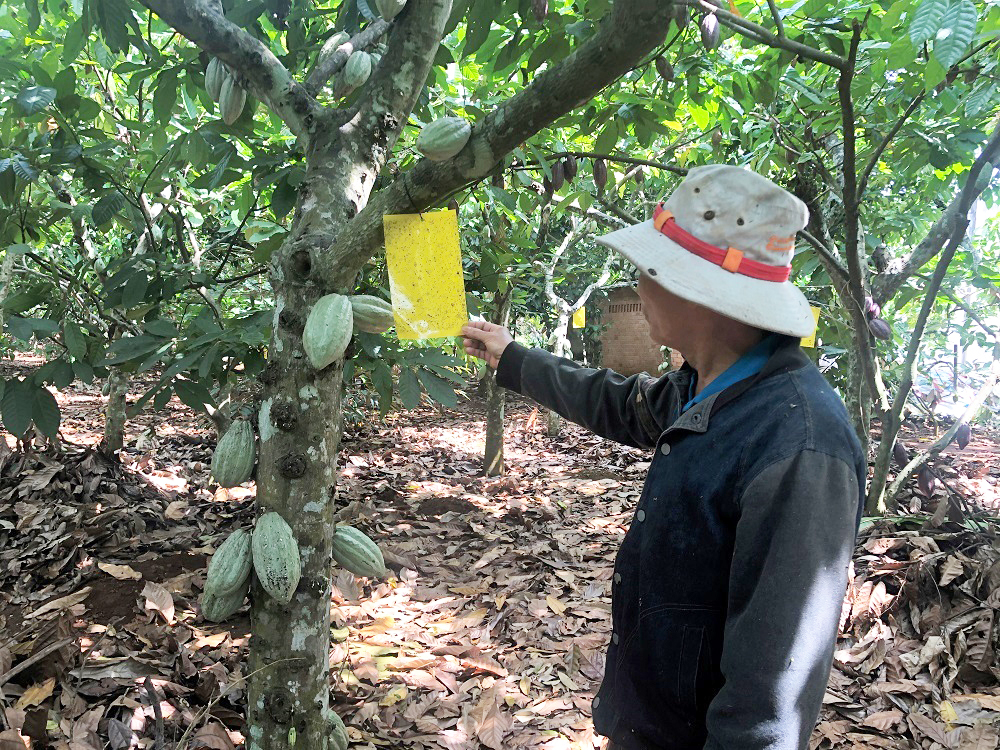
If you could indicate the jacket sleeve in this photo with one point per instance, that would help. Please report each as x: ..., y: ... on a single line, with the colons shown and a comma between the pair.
x: 794, y: 540
x: 611, y: 405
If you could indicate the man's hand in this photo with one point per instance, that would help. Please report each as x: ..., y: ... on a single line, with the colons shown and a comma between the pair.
x: 486, y: 340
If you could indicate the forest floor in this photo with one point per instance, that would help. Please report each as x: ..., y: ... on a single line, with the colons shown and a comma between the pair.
x: 490, y: 629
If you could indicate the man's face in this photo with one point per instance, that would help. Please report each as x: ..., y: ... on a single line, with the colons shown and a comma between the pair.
x: 664, y: 311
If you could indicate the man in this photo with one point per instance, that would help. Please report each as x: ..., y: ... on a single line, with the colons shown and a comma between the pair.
x: 727, y: 588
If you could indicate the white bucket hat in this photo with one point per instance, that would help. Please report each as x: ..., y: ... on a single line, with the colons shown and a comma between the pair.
x: 724, y: 239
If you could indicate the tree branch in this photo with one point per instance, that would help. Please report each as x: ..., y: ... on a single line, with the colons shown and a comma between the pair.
x: 202, y: 22
x: 832, y: 261
x: 760, y: 34
x: 601, y: 281
x: 866, y: 172
x: 777, y: 18
x: 632, y: 28
x: 886, y: 285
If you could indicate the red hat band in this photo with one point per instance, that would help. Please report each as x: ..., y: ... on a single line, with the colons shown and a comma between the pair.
x: 730, y: 259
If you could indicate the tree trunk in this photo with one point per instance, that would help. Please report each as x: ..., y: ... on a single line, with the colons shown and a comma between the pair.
x: 114, y: 413
x: 561, y: 348
x: 496, y: 398
x: 6, y: 272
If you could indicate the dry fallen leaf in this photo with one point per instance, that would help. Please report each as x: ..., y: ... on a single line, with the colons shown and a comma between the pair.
x: 36, y: 694
x: 160, y: 600
x: 11, y: 740
x: 63, y: 602
x: 212, y: 737
x: 121, y: 572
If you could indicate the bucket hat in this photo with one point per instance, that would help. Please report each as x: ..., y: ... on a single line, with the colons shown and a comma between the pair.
x: 724, y: 239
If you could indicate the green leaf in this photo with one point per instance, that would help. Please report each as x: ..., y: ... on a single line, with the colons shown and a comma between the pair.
x: 75, y: 341
x: 34, y: 99
x: 107, y: 208
x: 437, y: 388
x: 45, y: 412
x: 17, y: 406
x: 192, y: 393
x: 409, y: 388
x: 20, y: 328
x: 128, y: 348
x: 926, y: 19
x: 955, y: 34
x: 165, y: 97
x: 23, y: 169
x: 161, y: 327
x: 162, y: 398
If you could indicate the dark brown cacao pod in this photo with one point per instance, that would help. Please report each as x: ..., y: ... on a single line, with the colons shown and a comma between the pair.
x: 963, y: 436
x: 900, y: 454
x: 557, y: 176
x: 710, y: 32
x: 681, y: 15
x: 716, y: 139
x: 600, y: 174
x: 665, y: 69
x: 926, y: 481
x: 547, y: 186
x: 540, y: 9
x: 569, y: 166
x: 880, y: 329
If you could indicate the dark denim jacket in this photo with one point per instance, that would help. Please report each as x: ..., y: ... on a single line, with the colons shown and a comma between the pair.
x: 728, y: 586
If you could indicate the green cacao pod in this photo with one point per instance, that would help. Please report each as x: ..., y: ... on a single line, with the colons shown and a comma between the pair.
x: 106, y: 389
x: 217, y: 607
x: 338, y: 732
x: 371, y: 314
x: 230, y: 566
x: 389, y: 9
x: 276, y: 557
x: 232, y: 99
x: 444, y: 138
x: 331, y: 45
x: 215, y: 76
x: 357, y: 553
x: 328, y: 330
x: 232, y: 462
x: 357, y: 69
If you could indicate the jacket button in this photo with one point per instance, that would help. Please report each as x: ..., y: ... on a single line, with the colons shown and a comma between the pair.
x: 618, y: 577
x: 641, y: 515
x: 665, y: 449
x: 597, y: 701
x: 614, y: 638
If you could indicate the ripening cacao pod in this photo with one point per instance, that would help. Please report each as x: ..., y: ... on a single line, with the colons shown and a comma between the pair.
x: 443, y: 138
x: 962, y: 436
x: 664, y: 68
x: 215, y: 76
x: 926, y: 481
x: 710, y: 35
x: 232, y: 99
x: 357, y: 553
x: 880, y: 329
x: 338, y: 732
x: 900, y: 454
x: 217, y: 607
x: 558, y: 177
x: 540, y: 9
x: 328, y: 330
x: 357, y: 69
x: 230, y: 566
x: 371, y: 314
x: 234, y: 456
x: 389, y: 9
x: 681, y: 15
x: 570, y: 167
x: 600, y: 174
x: 276, y: 557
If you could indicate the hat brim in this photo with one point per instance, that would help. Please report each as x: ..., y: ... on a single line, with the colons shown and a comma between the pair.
x: 773, y: 306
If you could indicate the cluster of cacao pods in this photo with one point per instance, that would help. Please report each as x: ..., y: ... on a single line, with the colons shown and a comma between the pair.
x: 878, y: 327
x: 443, y: 138
x: 335, y: 318
x: 223, y: 88
x: 355, y: 74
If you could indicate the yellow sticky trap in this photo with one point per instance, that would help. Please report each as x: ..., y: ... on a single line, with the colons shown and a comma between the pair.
x: 425, y: 274
x: 810, y: 341
x: 580, y: 318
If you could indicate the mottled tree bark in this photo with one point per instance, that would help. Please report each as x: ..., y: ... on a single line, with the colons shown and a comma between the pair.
x: 496, y: 397
x: 114, y: 412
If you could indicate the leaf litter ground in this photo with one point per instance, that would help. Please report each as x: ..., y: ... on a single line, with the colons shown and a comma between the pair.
x: 491, y: 629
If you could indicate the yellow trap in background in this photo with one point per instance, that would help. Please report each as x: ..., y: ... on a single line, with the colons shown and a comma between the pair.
x: 425, y: 274
x: 809, y: 342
